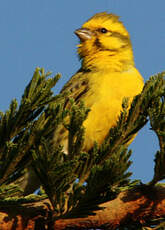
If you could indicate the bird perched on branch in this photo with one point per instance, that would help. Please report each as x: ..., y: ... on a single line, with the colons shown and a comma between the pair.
x: 107, y: 75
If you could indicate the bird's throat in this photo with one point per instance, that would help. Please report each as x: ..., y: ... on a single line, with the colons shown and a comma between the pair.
x: 109, y: 60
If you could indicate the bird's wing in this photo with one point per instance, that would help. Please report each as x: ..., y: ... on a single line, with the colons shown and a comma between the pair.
x: 77, y: 87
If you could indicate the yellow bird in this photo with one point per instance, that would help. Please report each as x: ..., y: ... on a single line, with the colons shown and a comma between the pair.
x: 107, y: 75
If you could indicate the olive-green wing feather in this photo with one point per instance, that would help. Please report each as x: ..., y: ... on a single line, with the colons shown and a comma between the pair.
x: 77, y: 87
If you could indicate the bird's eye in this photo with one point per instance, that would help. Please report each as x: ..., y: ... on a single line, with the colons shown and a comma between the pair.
x: 103, y: 30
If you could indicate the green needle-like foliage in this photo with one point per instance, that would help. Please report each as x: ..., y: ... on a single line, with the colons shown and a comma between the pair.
x: 103, y: 184
x: 54, y: 172
x: 76, y: 131
x: 15, y: 123
x: 157, y: 121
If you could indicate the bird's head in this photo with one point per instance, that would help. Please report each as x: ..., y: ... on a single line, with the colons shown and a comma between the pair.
x: 104, y: 39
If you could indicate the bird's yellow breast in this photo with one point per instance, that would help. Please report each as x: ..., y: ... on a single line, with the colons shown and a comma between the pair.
x: 104, y: 98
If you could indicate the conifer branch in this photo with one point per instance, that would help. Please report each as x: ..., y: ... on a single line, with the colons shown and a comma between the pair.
x: 16, y: 123
x: 157, y: 121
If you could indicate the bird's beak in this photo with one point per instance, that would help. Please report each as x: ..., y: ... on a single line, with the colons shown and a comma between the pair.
x: 83, y: 34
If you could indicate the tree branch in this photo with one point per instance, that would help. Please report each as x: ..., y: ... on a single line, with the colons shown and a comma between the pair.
x: 140, y: 204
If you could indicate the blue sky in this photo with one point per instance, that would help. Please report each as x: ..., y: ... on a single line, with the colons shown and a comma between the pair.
x: 40, y: 33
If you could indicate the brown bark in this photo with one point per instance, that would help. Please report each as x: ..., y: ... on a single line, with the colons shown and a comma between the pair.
x: 140, y: 204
